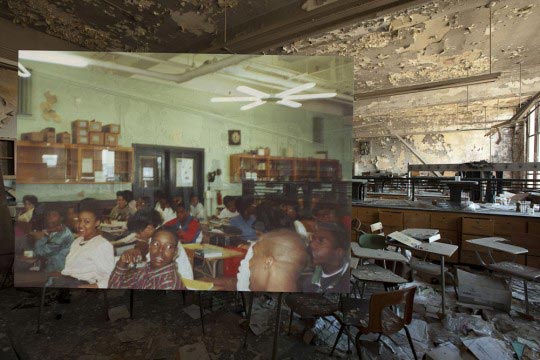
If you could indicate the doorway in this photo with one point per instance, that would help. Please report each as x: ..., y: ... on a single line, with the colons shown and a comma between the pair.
x: 173, y: 170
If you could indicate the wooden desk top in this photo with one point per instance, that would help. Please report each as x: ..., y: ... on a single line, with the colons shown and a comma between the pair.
x: 226, y: 253
x: 366, y: 253
x: 497, y: 243
x: 372, y: 272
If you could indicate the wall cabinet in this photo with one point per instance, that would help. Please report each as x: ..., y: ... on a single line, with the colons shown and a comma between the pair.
x: 7, y: 158
x: 270, y: 168
x: 44, y: 163
x: 456, y: 227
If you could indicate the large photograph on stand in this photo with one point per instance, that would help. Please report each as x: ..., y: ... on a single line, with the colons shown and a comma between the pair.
x: 184, y: 171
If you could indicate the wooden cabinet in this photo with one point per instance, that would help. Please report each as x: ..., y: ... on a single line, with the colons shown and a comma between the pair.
x: 7, y: 158
x: 261, y: 167
x: 457, y: 228
x: 445, y: 221
x: 416, y: 219
x: 49, y: 163
x: 391, y: 220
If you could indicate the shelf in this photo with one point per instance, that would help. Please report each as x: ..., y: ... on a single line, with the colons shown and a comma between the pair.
x: 68, y: 169
x: 284, y: 167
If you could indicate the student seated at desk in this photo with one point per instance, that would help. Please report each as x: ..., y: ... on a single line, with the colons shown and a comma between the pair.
x: 142, y: 202
x: 245, y: 206
x: 329, y: 248
x: 230, y: 208
x: 53, y: 244
x: 196, y: 209
x: 32, y: 213
x: 186, y: 227
x: 141, y: 227
x: 122, y: 211
x: 159, y: 274
x: 274, y: 263
x: 164, y: 207
x: 91, y: 256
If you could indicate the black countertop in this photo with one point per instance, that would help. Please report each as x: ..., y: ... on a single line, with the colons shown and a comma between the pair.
x: 486, y: 209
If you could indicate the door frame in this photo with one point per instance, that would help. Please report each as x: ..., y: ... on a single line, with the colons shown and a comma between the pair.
x: 167, y: 150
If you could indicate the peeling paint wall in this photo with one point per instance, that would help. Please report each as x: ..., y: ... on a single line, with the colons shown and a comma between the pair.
x: 389, y: 154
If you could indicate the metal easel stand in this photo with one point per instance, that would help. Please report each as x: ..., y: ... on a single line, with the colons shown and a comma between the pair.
x: 47, y: 284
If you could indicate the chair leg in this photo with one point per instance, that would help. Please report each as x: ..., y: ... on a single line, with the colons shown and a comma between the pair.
x: 337, y: 338
x: 410, y: 342
x: 526, y: 297
x: 363, y: 289
x: 357, y: 344
x: 290, y: 320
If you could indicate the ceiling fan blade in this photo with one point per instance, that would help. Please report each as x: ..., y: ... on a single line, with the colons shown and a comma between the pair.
x: 310, y: 96
x: 295, y: 90
x: 289, y: 103
x: 252, y: 105
x: 252, y: 92
x: 234, y: 99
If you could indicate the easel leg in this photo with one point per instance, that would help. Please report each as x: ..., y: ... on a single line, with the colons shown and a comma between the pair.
x: 131, y: 296
x: 41, y: 305
x: 248, y: 316
x: 106, y: 301
x: 276, y: 329
x: 201, y: 311
x: 443, y: 286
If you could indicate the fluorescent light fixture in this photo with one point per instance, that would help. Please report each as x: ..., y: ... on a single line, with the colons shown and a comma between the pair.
x: 23, y: 72
x: 283, y: 98
x: 252, y: 105
x: 54, y: 57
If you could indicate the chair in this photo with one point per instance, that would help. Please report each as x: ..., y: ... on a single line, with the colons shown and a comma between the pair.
x: 376, y: 316
x: 427, y: 267
x: 356, y: 227
x: 310, y: 306
x: 370, y: 241
x: 377, y: 228
x: 512, y: 269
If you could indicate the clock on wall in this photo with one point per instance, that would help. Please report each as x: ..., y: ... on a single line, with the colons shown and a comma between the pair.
x: 234, y: 137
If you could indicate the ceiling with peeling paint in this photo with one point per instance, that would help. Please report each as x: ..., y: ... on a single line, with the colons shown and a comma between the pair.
x: 394, y: 43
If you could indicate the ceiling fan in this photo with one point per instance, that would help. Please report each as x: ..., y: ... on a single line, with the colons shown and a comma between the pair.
x: 286, y: 98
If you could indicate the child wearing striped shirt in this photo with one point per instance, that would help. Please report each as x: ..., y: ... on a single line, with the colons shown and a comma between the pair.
x: 159, y: 274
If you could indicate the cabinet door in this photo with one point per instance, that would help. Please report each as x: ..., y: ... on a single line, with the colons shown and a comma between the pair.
x: 445, y: 221
x: 391, y: 220
x: 416, y: 219
x: 478, y: 226
x: 505, y: 226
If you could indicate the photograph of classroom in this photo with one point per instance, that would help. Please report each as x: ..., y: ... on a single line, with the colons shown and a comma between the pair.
x: 134, y: 171
x: 443, y: 172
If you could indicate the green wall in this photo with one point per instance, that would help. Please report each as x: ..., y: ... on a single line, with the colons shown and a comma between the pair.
x: 155, y: 113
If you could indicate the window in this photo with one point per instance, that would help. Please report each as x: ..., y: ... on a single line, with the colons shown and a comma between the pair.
x: 532, y: 142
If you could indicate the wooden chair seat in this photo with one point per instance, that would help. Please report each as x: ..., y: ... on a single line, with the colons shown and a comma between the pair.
x: 513, y: 269
x: 357, y: 314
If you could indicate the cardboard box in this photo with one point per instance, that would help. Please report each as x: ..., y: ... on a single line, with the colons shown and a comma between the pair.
x: 63, y: 138
x: 111, y: 139
x: 94, y: 126
x: 79, y: 124
x: 49, y: 135
x: 111, y: 129
x: 96, y: 138
x: 483, y: 290
x: 80, y: 137
x: 32, y: 136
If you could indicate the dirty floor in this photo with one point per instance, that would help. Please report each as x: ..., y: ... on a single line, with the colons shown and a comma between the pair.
x: 164, y: 327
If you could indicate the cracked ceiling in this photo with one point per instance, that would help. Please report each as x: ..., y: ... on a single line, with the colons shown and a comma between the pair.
x: 395, y: 44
